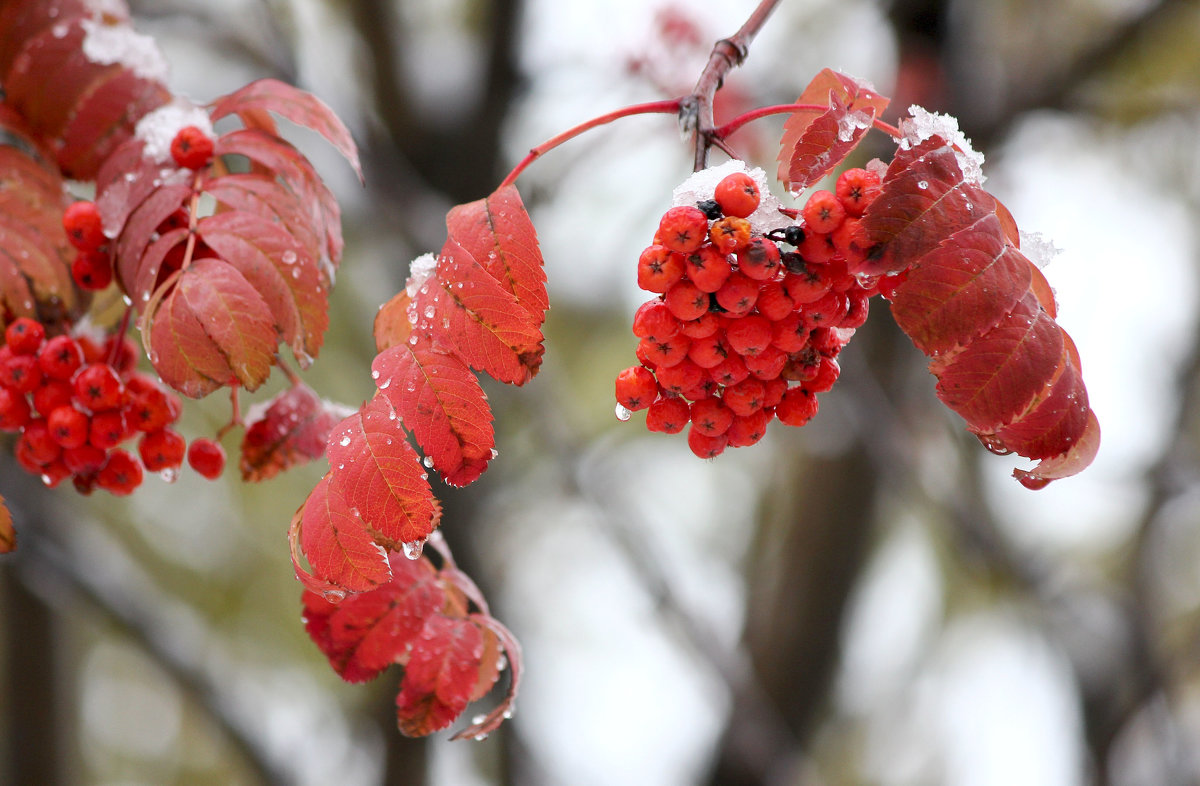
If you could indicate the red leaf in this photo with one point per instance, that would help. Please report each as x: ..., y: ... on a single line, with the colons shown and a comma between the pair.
x: 289, y: 429
x: 211, y: 329
x: 1077, y: 458
x: 297, y: 106
x: 380, y: 478
x: 469, y: 313
x: 105, y: 119
x: 1054, y: 422
x: 279, y: 269
x: 8, y: 536
x: 497, y: 232
x: 138, y: 231
x: 512, y: 652
x: 923, y: 200
x: 392, y: 324
x: 961, y: 289
x: 440, y: 675
x: 367, y: 632
x: 814, y: 142
x: 996, y: 376
x: 442, y: 404
x: 266, y: 197
x: 283, y: 160
x: 337, y: 544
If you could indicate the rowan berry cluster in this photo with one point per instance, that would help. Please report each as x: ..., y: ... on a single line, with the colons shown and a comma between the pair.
x: 742, y: 333
x: 75, y: 401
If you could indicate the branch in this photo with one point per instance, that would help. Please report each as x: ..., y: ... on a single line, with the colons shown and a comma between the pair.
x: 696, y: 111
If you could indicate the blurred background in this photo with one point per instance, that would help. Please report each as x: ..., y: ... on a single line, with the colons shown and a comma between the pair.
x: 868, y: 600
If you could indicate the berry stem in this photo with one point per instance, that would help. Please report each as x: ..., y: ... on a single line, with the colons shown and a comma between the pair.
x: 120, y: 336
x: 671, y: 106
x: 235, y: 417
x: 696, y: 110
x: 288, y: 372
x: 782, y: 109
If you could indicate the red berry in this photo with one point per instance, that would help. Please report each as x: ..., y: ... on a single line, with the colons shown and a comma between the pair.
x: 24, y: 336
x: 797, y: 407
x: 98, y: 388
x: 148, y: 407
x: 760, y: 259
x: 68, y: 426
x: 52, y: 394
x: 206, y: 457
x: 816, y: 248
x: 21, y: 373
x: 686, y: 301
x: 668, y: 415
x: 681, y: 377
x: 709, y: 352
x: 711, y: 417
x: 83, y: 226
x: 192, y: 148
x: 738, y: 294
x: 92, y: 270
x: 730, y: 234
x: 827, y: 374
x: 60, y: 357
x: 773, y: 302
x: 737, y: 194
x: 856, y: 313
x: 768, y: 364
x: 828, y: 311
x: 702, y: 326
x: 14, y: 409
x: 162, y: 450
x: 120, y: 475
x: 707, y: 268
x: 122, y: 352
x: 705, y: 446
x: 107, y: 429
x: 773, y: 390
x: 790, y: 334
x: 85, y: 459
x: 746, y: 397
x: 749, y: 335
x: 40, y: 445
x: 731, y: 371
x: 683, y: 229
x: 658, y: 269
x: 665, y: 353
x: 654, y: 320
x: 636, y: 388
x: 808, y: 283
x: 748, y: 429
x: 857, y: 189
x: 823, y: 213
x: 54, y: 473
x: 828, y: 341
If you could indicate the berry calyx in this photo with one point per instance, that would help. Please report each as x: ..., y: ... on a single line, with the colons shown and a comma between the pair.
x: 192, y: 148
x: 206, y: 457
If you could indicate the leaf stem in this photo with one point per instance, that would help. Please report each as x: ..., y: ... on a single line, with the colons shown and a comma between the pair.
x: 671, y: 106
x: 696, y: 111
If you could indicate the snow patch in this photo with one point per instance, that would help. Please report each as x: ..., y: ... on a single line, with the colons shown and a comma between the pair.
x: 157, y: 129
x: 419, y: 271
x: 852, y: 122
x: 1040, y: 249
x: 120, y: 44
x: 701, y: 185
x: 923, y: 124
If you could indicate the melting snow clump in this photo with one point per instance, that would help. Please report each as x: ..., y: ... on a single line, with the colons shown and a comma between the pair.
x: 122, y: 45
x: 923, y: 124
x: 420, y: 271
x: 701, y: 185
x: 157, y: 129
x: 1040, y: 249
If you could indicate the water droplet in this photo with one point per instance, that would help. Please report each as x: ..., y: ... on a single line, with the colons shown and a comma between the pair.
x: 169, y: 475
x: 412, y: 549
x: 480, y: 737
x: 508, y: 713
x: 495, y: 453
x: 59, y: 30
x: 49, y: 481
x: 922, y: 184
x: 478, y: 719
x: 429, y: 312
x: 428, y: 461
x: 295, y: 272
x: 334, y: 595
x: 385, y: 384
x: 344, y: 441
x: 622, y: 413
x: 289, y: 257
x: 374, y: 373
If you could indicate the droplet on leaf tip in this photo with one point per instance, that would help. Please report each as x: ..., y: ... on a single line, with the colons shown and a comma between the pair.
x: 478, y: 719
x: 334, y: 595
x: 412, y: 549
x: 427, y: 461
